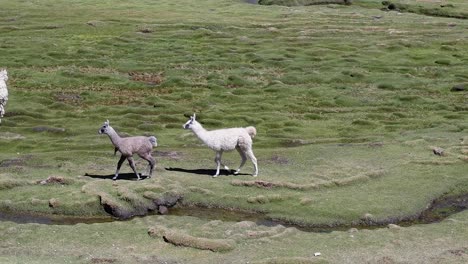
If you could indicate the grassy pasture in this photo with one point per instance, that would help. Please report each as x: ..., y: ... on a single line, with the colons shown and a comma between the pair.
x: 349, y: 102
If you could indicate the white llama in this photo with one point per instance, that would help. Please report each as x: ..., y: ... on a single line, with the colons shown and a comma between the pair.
x: 128, y: 146
x: 3, y: 92
x: 225, y: 140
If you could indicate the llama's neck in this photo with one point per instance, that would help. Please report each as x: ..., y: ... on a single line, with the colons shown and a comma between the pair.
x: 200, y: 132
x: 114, y: 137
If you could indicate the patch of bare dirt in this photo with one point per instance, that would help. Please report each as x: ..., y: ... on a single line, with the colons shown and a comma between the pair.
x: 103, y: 260
x: 68, y: 98
x: 147, y: 77
x: 277, y: 159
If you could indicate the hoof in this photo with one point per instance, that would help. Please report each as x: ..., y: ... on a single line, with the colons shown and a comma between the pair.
x: 236, y: 172
x: 254, y: 175
x: 214, y: 176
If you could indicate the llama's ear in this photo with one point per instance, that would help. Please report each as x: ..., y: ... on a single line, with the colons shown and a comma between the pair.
x: 194, y: 116
x: 107, y: 122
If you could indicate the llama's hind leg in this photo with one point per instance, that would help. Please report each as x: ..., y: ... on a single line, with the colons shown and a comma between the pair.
x: 119, y: 164
x: 151, y: 163
x: 243, y: 157
x: 252, y: 157
x: 132, y: 165
x: 218, y: 162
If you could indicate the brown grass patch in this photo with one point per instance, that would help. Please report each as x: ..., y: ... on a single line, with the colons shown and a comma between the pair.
x: 68, y: 98
x: 147, y: 77
x: 279, y: 160
x: 103, y: 260
x: 55, y: 180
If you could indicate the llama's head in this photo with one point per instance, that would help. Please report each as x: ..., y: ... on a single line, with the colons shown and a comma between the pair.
x: 190, y: 122
x: 3, y: 75
x: 105, y: 128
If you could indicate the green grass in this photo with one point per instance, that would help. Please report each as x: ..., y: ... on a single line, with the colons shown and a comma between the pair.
x: 348, y: 102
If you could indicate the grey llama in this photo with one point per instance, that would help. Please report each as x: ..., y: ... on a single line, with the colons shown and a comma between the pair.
x: 128, y: 146
x: 3, y: 92
x: 227, y: 139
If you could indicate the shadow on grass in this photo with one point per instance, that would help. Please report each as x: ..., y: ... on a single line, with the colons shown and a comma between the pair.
x: 206, y: 172
x: 122, y: 176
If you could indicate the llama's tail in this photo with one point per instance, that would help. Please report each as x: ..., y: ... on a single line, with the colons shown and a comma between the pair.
x: 153, y: 141
x: 252, y: 131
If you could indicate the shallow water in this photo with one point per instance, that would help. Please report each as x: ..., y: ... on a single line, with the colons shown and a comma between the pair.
x: 439, y: 210
x: 21, y: 218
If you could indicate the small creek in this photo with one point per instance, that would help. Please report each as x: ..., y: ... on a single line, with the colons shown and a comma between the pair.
x: 439, y: 210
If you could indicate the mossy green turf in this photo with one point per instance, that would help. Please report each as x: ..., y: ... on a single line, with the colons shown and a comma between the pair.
x: 348, y: 101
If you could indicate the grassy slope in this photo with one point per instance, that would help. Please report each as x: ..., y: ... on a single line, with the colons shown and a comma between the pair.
x: 361, y: 94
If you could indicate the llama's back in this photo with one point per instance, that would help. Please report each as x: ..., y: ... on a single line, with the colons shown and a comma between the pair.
x: 228, y: 138
x: 138, y: 144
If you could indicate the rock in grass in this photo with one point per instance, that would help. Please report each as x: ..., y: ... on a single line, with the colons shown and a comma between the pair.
x: 179, y: 238
x: 163, y: 210
x: 393, y: 226
x: 459, y: 87
x: 54, y: 203
x: 438, y: 151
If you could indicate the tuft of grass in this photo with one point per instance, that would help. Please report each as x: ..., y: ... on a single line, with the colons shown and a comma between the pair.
x: 179, y: 238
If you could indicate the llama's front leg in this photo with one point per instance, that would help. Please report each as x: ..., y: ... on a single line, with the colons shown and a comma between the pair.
x: 254, y: 161
x: 218, y: 162
x: 243, y: 157
x: 2, y: 111
x: 119, y: 164
x: 221, y: 162
x: 132, y: 165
